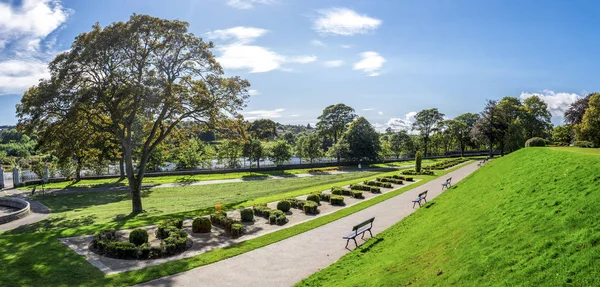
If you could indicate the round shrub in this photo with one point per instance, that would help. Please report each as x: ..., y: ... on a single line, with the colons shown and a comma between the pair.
x: 337, y: 200
x: 277, y: 217
x: 314, y: 198
x: 536, y: 141
x: 247, y: 215
x: 201, y: 225
x: 138, y: 236
x: 357, y: 194
x: 310, y: 207
x: 236, y: 230
x: 325, y: 197
x: 284, y: 205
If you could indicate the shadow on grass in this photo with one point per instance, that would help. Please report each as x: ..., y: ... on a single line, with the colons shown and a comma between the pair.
x: 375, y: 241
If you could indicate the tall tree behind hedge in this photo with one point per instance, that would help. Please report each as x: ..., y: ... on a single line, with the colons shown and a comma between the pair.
x: 536, y: 118
x: 334, y: 121
x: 425, y: 122
x: 363, y: 140
x: 146, y: 70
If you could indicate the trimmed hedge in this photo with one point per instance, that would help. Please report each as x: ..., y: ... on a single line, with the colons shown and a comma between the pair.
x: 372, y: 189
x: 536, y: 141
x: 314, y: 198
x: 277, y: 217
x: 311, y: 207
x: 585, y: 144
x: 390, y: 180
x: 247, y: 215
x: 325, y: 197
x: 221, y: 219
x: 237, y: 229
x: 297, y: 203
x: 284, y: 205
x: 378, y: 184
x: 340, y: 191
x: 337, y: 200
x: 262, y: 210
x: 162, y: 231
x: 443, y: 165
x: 201, y: 225
x: 357, y: 194
x: 138, y: 237
x: 423, y: 172
x: 410, y: 179
x: 273, y: 216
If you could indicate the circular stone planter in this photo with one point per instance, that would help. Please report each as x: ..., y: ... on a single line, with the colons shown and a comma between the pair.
x: 22, y: 206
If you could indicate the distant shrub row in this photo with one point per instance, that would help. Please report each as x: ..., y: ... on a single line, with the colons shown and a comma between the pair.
x: 536, y: 141
x: 585, y: 144
x: 378, y: 184
x: 362, y: 187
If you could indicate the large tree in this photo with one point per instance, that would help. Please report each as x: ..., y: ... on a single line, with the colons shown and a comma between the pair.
x: 589, y: 128
x: 363, y: 140
x: 139, y: 78
x: 425, y: 123
x: 334, y: 121
x: 461, y: 126
x: 280, y: 152
x: 574, y: 114
x: 312, y: 147
x: 263, y: 129
x: 536, y: 118
x: 491, y: 126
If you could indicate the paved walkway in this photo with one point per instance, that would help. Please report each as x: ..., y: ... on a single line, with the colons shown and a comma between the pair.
x: 38, y: 213
x: 288, y: 261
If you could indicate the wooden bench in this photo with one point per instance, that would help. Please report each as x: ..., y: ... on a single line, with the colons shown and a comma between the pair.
x: 447, y: 184
x: 422, y: 196
x: 358, y: 229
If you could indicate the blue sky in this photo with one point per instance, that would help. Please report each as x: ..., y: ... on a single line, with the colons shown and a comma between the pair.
x: 386, y: 58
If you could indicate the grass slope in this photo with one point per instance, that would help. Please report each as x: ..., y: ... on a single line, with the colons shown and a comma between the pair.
x: 529, y: 219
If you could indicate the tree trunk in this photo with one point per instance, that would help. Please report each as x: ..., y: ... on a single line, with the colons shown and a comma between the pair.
x: 258, y: 163
x: 78, y: 170
x: 134, y: 183
x: 462, y: 149
x: 121, y: 169
x: 425, y: 139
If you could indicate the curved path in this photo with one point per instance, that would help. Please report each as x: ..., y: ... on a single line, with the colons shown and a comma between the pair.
x: 37, y: 213
x: 288, y: 261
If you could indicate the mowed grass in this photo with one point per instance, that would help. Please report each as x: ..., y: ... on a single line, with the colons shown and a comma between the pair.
x: 155, y: 180
x: 88, y: 212
x: 531, y: 218
x: 594, y: 151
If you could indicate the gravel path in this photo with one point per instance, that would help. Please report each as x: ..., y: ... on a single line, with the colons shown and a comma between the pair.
x: 288, y: 261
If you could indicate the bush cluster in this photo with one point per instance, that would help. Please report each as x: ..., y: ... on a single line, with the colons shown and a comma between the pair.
x: 237, y: 229
x: 378, y: 184
x: 314, y: 198
x: 372, y: 189
x: 390, y: 180
x: 138, y: 237
x: 536, y: 141
x: 340, y: 191
x: 357, y: 194
x: 337, y: 200
x: 247, y: 215
x: 165, y: 225
x: 325, y: 197
x: 310, y: 207
x: 277, y: 217
x: 446, y: 164
x: 221, y: 219
x: 296, y: 203
x: 284, y: 205
x: 410, y: 179
x: 423, y: 172
x: 585, y: 144
x: 175, y: 241
x: 323, y: 169
x: 201, y: 225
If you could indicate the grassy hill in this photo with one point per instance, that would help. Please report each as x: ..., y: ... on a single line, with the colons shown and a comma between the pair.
x: 531, y: 218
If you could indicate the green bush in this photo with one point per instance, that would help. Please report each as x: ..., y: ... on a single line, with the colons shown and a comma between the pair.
x: 278, y: 217
x: 585, y: 144
x: 221, y: 219
x: 336, y: 191
x: 378, y: 184
x: 536, y: 141
x: 357, y: 194
x: 410, y: 179
x: 201, y: 225
x: 284, y: 205
x: 372, y: 189
x: 237, y: 230
x: 311, y: 207
x: 262, y: 210
x: 297, y: 203
x: 314, y: 198
x: 175, y: 241
x: 138, y: 236
x: 162, y: 230
x: 337, y: 200
x: 325, y: 197
x: 247, y: 215
x: 418, y: 160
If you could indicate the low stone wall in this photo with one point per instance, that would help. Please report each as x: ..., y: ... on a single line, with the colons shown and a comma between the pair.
x: 22, y: 206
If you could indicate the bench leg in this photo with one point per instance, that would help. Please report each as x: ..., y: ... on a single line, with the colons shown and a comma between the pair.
x: 355, y: 242
x: 347, y: 241
x: 370, y: 233
x: 414, y: 203
x: 425, y: 200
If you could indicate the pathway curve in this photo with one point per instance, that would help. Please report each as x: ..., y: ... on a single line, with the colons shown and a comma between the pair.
x: 288, y: 261
x: 38, y: 212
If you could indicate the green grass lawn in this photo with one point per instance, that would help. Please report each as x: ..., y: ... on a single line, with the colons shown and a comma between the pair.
x: 87, y: 212
x: 154, y: 180
x: 531, y: 218
x: 595, y: 151
x: 39, y: 259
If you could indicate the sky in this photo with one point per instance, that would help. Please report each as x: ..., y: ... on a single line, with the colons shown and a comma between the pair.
x: 388, y: 59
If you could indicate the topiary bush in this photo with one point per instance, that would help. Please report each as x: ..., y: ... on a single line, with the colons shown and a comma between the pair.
x: 325, y: 197
x: 584, y: 144
x: 138, y: 237
x: 310, y: 207
x: 536, y: 141
x: 297, y: 203
x: 284, y: 205
x: 278, y: 217
x: 337, y: 200
x: 163, y: 227
x: 247, y: 215
x: 201, y: 225
x: 237, y: 230
x: 418, y: 159
x: 357, y: 194
x: 221, y: 219
x: 314, y: 198
x: 410, y: 179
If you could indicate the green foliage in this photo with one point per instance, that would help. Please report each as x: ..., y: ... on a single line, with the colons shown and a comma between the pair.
x: 262, y: 210
x: 589, y: 128
x: 237, y: 229
x: 340, y: 191
x: 363, y: 140
x: 221, y: 219
x: 263, y: 129
x: 312, y: 147
x: 229, y: 153
x: 378, y: 184
x: 165, y: 226
x: 281, y: 152
x: 584, y: 144
x: 334, y: 120
x: 418, y: 160
x: 277, y: 217
x: 372, y: 189
x: 192, y: 153
x: 562, y: 135
x: 314, y: 198
x: 425, y: 122
x: 310, y: 207
x: 535, y: 141
x: 247, y: 215
x: 325, y: 196
x: 201, y: 225
x: 337, y: 200
x: 357, y: 194
x: 254, y: 150
x: 138, y: 236
x: 284, y: 205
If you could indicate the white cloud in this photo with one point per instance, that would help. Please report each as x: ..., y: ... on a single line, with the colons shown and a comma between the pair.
x: 247, y: 4
x: 557, y: 103
x: 402, y: 123
x: 302, y: 59
x: 238, y: 53
x: 294, y: 115
x: 346, y: 46
x: 26, y: 41
x: 368, y: 109
x: 317, y: 43
x: 333, y: 64
x: 380, y: 113
x: 253, y: 92
x: 263, y: 114
x: 370, y: 63
x: 343, y: 21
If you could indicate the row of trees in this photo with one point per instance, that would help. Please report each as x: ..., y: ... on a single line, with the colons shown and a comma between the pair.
x: 582, y: 122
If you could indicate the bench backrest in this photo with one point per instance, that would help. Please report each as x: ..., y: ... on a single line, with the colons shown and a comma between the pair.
x: 423, y: 194
x: 368, y: 221
x: 449, y: 179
